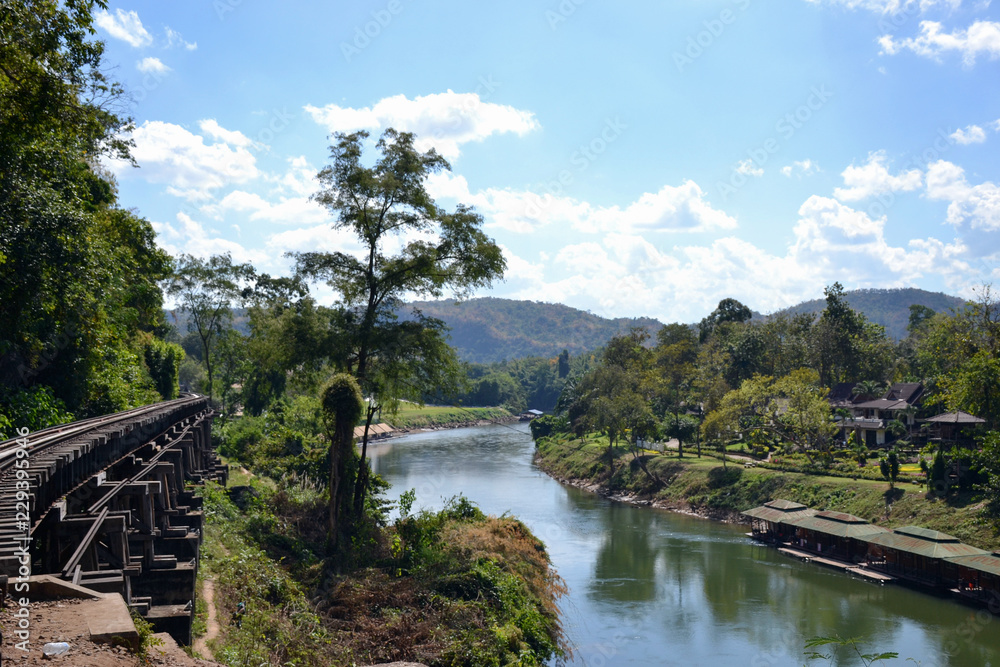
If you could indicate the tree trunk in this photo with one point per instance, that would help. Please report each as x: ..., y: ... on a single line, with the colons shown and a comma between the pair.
x: 361, y: 485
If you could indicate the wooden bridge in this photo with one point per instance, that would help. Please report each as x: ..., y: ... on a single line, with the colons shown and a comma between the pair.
x: 106, y: 504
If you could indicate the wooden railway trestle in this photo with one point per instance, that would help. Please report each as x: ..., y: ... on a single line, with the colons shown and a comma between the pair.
x: 107, y: 505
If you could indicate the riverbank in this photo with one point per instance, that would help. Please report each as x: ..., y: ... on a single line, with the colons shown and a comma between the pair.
x: 705, y: 487
x: 454, y: 587
x: 412, y: 417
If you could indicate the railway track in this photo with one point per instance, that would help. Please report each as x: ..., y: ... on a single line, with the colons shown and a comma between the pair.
x: 106, y: 503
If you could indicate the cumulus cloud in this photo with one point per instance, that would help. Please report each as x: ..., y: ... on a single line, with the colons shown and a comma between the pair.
x: 982, y: 38
x: 680, y: 208
x: 151, y: 66
x: 973, y: 134
x: 873, y: 178
x: 977, y: 205
x: 174, y: 38
x: 188, y: 236
x: 125, y: 26
x: 443, y: 121
x: 749, y: 168
x: 890, y: 6
x: 211, y: 128
x: 800, y: 168
x: 170, y: 154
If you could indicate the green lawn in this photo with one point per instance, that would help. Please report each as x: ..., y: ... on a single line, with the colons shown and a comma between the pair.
x: 411, y: 415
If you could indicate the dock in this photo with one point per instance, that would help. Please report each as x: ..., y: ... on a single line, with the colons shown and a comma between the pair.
x: 850, y: 568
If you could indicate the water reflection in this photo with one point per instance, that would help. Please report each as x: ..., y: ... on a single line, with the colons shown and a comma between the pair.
x: 650, y: 587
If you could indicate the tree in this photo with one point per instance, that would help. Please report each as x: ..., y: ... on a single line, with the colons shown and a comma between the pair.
x: 78, y: 275
x: 728, y: 310
x: 889, y: 467
x: 382, y: 205
x: 342, y: 406
x: 563, y: 364
x: 207, y: 290
x: 988, y: 460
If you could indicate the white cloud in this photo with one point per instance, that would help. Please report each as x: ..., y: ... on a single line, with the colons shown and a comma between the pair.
x: 973, y: 134
x: 125, y: 26
x: 672, y: 209
x: 211, y: 128
x: 443, y: 121
x: 979, y: 205
x: 168, y: 153
x: 191, y: 237
x: 891, y: 6
x: 749, y: 168
x: 873, y: 178
x: 981, y: 38
x: 800, y: 168
x: 996, y: 125
x: 174, y: 38
x: 287, y: 210
x: 151, y: 66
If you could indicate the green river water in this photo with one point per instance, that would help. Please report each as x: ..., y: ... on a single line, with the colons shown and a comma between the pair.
x: 652, y: 587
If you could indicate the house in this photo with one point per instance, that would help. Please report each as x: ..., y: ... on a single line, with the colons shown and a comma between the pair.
x: 528, y: 415
x: 836, y: 534
x: 953, y: 427
x: 770, y: 521
x: 978, y: 576
x: 918, y: 554
x: 871, y: 418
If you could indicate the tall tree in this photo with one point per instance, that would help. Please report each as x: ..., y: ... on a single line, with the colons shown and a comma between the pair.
x: 441, y: 251
x: 78, y: 275
x: 207, y: 291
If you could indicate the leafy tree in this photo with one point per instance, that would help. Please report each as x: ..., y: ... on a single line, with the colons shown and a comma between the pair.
x: 382, y: 205
x: 207, y: 290
x: 889, y: 467
x: 342, y: 406
x: 988, y: 460
x: 78, y: 275
x: 728, y: 310
x: 163, y: 360
x: 563, y: 364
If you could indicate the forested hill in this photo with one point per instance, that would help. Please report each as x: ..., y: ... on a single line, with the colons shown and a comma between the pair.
x: 888, y: 307
x: 489, y: 329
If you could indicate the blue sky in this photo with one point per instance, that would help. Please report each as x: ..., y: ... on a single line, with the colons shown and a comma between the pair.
x: 632, y: 158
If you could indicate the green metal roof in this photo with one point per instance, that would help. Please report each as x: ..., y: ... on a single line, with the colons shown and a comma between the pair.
x: 777, y: 510
x: 837, y: 524
x: 988, y: 563
x: 927, y: 534
x: 930, y: 548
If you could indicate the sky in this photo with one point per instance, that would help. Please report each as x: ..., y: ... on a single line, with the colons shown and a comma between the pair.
x: 631, y: 158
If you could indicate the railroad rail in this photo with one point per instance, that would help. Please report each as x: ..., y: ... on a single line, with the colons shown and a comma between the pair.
x: 105, y: 503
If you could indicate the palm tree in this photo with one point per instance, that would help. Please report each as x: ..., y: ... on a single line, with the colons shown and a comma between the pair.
x: 867, y: 389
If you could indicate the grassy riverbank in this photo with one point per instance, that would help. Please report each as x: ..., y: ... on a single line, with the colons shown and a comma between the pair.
x: 705, y: 486
x: 454, y: 587
x: 412, y: 416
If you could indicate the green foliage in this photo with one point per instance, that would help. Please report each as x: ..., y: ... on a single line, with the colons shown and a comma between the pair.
x: 164, y: 363
x: 147, y: 640
x: 866, y: 658
x: 988, y: 460
x: 33, y: 409
x: 543, y: 427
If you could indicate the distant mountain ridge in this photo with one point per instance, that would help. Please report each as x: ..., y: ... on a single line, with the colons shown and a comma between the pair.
x: 491, y: 329
x: 888, y: 307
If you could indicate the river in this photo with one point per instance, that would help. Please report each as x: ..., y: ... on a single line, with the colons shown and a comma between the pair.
x: 653, y: 587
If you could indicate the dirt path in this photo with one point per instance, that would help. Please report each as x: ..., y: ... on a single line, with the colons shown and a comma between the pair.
x: 201, y: 643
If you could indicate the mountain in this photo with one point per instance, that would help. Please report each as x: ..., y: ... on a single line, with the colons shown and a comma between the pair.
x: 490, y: 329
x: 888, y: 307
